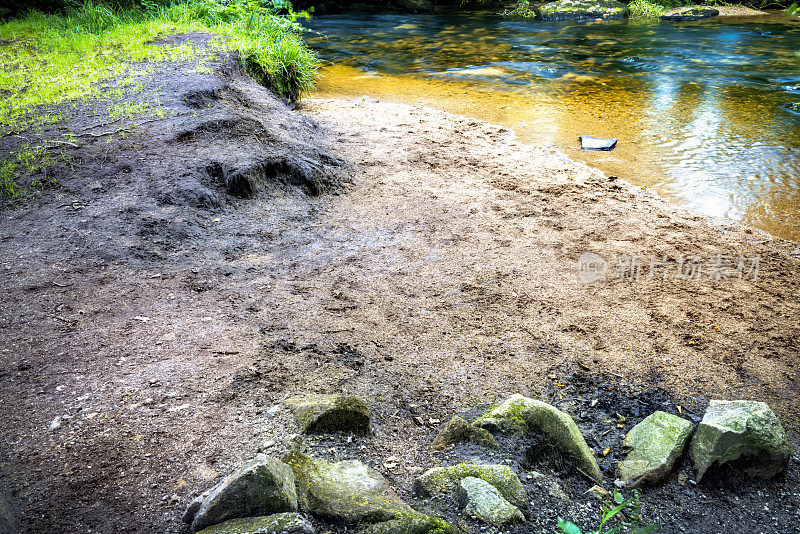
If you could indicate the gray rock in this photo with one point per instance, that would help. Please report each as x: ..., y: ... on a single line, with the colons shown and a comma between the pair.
x: 329, y: 412
x: 657, y: 442
x: 457, y: 429
x: 485, y: 502
x: 521, y: 414
x: 446, y: 479
x: 262, y: 486
x: 286, y: 523
x: 747, y: 431
x: 583, y: 10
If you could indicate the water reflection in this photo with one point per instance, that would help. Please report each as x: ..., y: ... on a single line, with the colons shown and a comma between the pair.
x: 699, y: 108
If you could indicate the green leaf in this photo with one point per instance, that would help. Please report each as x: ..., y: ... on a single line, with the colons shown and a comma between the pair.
x: 568, y: 527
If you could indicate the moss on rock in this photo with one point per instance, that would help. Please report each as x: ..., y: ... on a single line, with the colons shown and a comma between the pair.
x: 288, y: 523
x: 345, y: 491
x: 446, y: 479
x: 522, y: 414
x: 744, y: 431
x: 457, y: 429
x: 261, y: 486
x: 485, y: 503
x: 656, y: 442
x: 314, y: 413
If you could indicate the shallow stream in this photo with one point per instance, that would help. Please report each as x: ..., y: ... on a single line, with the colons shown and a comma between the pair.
x: 699, y: 108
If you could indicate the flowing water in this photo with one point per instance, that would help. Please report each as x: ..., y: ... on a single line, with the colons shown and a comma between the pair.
x: 699, y: 108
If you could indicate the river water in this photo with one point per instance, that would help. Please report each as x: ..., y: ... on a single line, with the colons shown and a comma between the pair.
x: 699, y: 108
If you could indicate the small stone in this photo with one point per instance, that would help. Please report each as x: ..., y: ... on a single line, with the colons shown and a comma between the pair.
x: 656, y: 442
x: 457, y: 429
x: 55, y: 424
x: 486, y: 503
x: 521, y: 414
x: 261, y: 486
x: 446, y: 479
x: 286, y: 523
x: 323, y: 413
x: 741, y: 430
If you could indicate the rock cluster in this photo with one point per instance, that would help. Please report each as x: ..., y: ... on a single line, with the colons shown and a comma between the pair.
x: 274, y: 496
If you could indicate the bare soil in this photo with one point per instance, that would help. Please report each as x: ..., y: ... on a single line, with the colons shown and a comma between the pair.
x: 425, y: 261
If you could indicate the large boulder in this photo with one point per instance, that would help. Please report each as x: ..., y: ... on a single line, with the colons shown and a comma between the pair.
x: 485, y: 502
x: 745, y: 431
x: 262, y: 486
x: 657, y: 442
x: 521, y: 414
x: 329, y: 412
x: 446, y: 479
x: 583, y: 10
x: 287, y: 523
x: 457, y: 430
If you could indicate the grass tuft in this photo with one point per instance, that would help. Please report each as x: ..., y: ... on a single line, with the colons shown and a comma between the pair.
x: 47, y: 60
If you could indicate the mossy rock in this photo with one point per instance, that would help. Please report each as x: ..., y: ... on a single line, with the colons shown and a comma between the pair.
x: 747, y: 432
x: 519, y: 414
x: 288, y: 523
x: 446, y: 479
x: 321, y: 413
x: 656, y: 442
x: 691, y: 15
x: 486, y: 503
x: 346, y: 491
x: 351, y: 492
x: 414, y: 523
x: 262, y: 486
x: 457, y: 430
x: 583, y: 10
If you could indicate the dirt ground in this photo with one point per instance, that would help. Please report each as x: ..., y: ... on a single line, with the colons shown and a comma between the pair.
x: 163, y: 319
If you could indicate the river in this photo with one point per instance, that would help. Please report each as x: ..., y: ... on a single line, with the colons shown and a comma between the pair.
x: 699, y: 108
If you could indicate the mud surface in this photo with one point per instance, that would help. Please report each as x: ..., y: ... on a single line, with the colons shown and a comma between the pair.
x: 162, y: 317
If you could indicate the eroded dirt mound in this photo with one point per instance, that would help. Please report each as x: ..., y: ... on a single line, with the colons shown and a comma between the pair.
x: 184, y: 138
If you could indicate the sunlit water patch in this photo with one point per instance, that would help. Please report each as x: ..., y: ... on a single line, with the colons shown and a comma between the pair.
x: 700, y: 109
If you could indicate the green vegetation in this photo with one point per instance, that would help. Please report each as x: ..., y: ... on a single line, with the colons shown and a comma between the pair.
x: 92, y: 51
x: 611, y: 509
x: 522, y: 9
x: 652, y: 8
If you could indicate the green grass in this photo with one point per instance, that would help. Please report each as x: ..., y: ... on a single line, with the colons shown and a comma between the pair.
x: 93, y: 52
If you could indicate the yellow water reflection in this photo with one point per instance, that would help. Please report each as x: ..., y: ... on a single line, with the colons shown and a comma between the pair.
x: 644, y: 155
